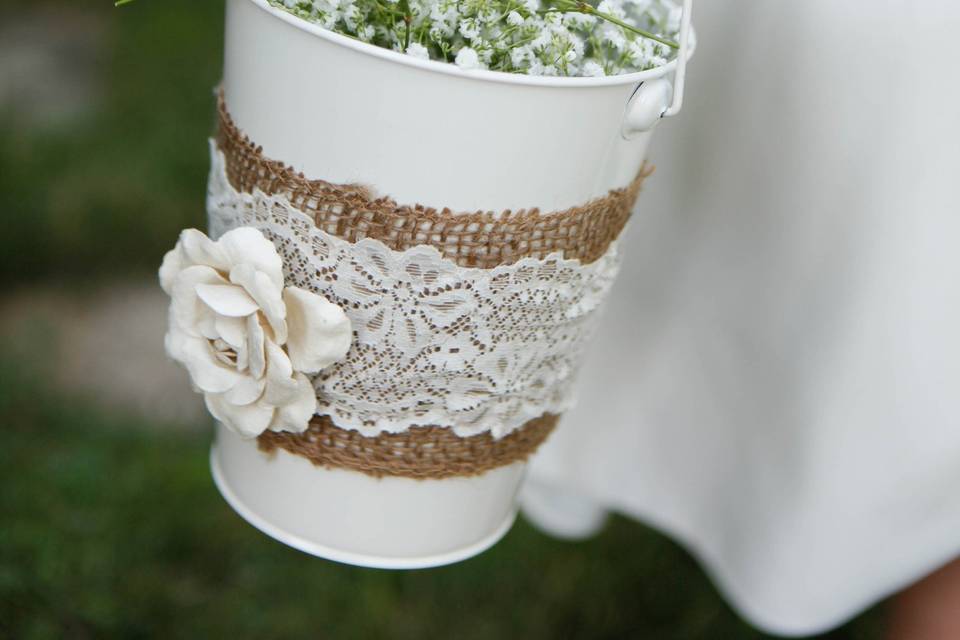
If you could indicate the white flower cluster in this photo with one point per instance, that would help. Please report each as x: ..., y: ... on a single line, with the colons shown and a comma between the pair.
x: 536, y: 37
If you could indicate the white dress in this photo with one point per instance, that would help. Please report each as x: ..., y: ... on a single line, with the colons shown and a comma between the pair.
x: 777, y: 382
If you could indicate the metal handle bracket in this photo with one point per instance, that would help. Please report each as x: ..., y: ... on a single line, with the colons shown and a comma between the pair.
x: 659, y: 98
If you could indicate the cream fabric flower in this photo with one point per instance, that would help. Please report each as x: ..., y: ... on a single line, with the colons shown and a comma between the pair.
x: 246, y: 340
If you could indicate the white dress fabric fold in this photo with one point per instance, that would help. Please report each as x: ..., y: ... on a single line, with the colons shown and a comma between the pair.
x: 776, y: 379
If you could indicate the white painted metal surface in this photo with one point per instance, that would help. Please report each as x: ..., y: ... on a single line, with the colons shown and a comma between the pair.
x: 350, y: 517
x: 419, y: 131
x: 425, y: 131
x: 659, y: 98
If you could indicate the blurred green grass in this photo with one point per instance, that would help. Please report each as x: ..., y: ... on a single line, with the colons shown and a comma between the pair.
x: 111, y: 527
x: 110, y: 189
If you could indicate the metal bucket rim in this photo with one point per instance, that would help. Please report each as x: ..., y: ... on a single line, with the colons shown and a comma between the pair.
x: 483, y: 75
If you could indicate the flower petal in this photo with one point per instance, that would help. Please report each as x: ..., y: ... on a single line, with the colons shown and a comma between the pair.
x: 198, y: 249
x: 295, y: 415
x: 247, y: 420
x: 256, y: 357
x: 267, y: 295
x: 187, y: 311
x: 233, y: 331
x: 243, y: 360
x: 227, y: 299
x: 319, y: 332
x: 173, y: 264
x: 247, y: 390
x: 281, y: 386
x: 246, y: 245
x: 206, y: 372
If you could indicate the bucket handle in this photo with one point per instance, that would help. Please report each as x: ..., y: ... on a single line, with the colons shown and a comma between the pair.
x: 658, y: 98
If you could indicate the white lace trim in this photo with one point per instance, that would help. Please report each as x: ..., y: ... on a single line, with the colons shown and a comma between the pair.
x: 435, y: 343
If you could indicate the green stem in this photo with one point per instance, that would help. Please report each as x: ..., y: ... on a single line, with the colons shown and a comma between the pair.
x: 575, y: 6
x: 407, y: 19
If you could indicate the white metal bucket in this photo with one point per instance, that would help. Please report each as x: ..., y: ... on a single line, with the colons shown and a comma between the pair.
x: 421, y: 132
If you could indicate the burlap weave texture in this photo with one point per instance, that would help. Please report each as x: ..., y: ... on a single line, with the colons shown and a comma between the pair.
x: 481, y: 239
x: 477, y: 240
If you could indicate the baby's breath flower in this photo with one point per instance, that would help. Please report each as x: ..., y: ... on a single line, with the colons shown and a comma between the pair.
x: 542, y: 41
x: 519, y: 56
x: 614, y: 37
x: 612, y: 7
x: 553, y: 19
x: 520, y: 36
x: 579, y: 21
x: 673, y: 18
x: 417, y: 50
x: 592, y: 69
x: 467, y: 58
x: 488, y: 17
x: 469, y: 28
x: 485, y: 53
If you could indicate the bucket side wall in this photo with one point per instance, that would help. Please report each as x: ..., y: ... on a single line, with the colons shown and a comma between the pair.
x: 420, y: 136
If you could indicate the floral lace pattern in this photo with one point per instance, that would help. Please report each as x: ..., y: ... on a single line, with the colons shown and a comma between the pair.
x: 434, y: 343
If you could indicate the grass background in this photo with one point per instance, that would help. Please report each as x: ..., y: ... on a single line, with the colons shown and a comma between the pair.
x: 110, y: 526
x: 113, y: 529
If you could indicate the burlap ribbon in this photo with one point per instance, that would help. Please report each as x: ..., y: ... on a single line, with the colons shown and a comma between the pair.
x: 480, y: 240
x: 421, y: 452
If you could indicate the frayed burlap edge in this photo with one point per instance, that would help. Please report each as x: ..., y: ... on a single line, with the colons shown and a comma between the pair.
x: 482, y: 240
x: 421, y: 452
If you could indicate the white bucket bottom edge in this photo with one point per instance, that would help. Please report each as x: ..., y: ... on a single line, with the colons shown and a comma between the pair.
x: 415, y: 524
